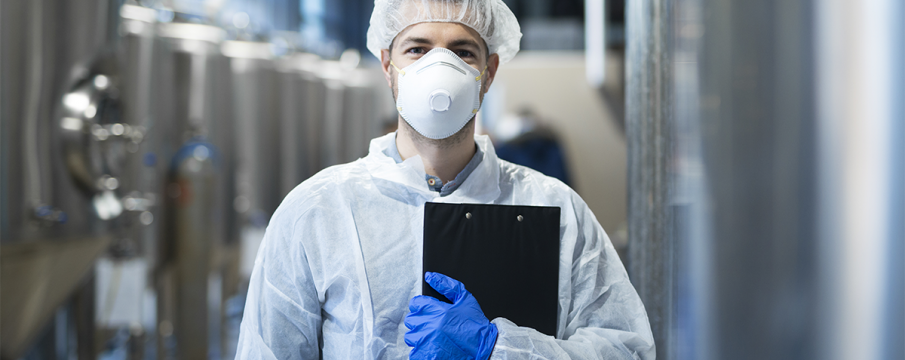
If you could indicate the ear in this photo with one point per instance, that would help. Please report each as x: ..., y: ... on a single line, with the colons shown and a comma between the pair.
x: 385, y: 66
x: 493, y: 63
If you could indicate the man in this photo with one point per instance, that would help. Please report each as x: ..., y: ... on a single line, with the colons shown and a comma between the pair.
x: 338, y: 275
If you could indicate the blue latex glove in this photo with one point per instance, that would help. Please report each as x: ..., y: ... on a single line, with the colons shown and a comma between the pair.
x: 438, y: 330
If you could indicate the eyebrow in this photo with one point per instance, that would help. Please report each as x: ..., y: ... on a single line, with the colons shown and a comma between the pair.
x: 464, y: 42
x: 416, y: 40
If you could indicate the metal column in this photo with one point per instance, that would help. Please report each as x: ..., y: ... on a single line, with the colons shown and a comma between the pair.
x: 770, y: 133
x: 649, y: 121
x: 861, y: 139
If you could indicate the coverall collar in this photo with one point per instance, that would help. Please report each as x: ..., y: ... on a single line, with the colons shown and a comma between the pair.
x: 481, y: 186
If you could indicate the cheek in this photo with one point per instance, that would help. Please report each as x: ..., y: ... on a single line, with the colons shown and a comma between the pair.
x: 394, y: 87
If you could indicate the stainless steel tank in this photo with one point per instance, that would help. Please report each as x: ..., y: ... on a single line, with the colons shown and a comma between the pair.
x: 362, y: 111
x: 190, y: 122
x: 255, y: 103
x: 193, y: 189
x: 332, y: 140
x: 122, y: 286
x: 47, y: 53
x: 327, y: 115
x: 297, y: 127
x: 63, y: 144
x: 314, y: 103
x: 351, y: 111
x: 142, y: 180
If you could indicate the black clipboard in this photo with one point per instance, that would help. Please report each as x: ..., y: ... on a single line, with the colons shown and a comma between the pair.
x: 506, y: 256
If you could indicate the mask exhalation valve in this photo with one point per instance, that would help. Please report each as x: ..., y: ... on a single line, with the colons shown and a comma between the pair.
x: 440, y: 100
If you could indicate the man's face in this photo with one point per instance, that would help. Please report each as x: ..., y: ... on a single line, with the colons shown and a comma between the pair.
x: 416, y: 40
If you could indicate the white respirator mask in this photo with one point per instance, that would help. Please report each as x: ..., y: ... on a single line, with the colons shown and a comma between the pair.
x: 438, y: 94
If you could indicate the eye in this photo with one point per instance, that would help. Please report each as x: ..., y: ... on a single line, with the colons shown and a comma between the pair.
x: 415, y: 51
x: 464, y: 54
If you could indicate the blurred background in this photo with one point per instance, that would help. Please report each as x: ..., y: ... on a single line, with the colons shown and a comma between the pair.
x: 745, y: 158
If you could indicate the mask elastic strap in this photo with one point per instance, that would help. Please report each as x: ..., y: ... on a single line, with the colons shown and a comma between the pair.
x: 401, y: 72
x: 478, y: 78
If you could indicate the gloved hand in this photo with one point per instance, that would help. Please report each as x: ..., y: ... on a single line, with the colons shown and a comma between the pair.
x: 438, y: 330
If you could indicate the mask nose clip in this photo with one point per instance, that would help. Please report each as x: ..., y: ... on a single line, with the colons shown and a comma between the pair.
x: 440, y: 100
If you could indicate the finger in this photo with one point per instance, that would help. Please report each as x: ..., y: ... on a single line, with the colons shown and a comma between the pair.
x: 446, y: 286
x: 414, y: 320
x: 422, y: 310
x: 412, y: 338
x: 423, y: 302
x: 411, y: 322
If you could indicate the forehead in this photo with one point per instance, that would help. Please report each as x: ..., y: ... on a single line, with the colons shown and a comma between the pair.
x: 439, y: 32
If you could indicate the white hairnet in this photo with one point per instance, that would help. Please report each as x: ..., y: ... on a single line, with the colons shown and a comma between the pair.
x: 492, y: 19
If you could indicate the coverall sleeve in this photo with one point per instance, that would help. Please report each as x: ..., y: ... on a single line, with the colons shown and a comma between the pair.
x: 282, y: 318
x: 605, y: 320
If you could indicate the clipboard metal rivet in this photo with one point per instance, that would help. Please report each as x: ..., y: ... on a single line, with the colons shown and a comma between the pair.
x: 520, y: 218
x: 468, y: 215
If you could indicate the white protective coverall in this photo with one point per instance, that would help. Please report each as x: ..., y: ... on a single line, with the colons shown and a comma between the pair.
x: 341, y: 259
